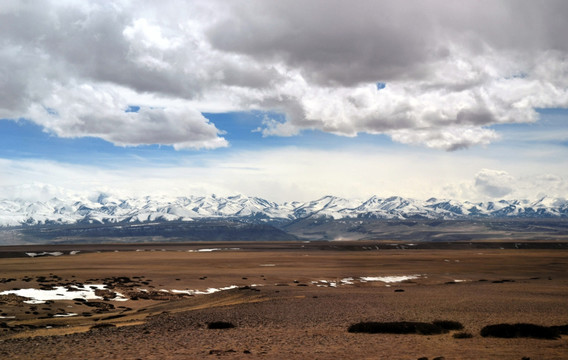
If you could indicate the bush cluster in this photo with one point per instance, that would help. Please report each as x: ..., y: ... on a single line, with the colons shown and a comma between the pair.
x: 521, y: 331
x: 220, y: 325
x: 405, y: 327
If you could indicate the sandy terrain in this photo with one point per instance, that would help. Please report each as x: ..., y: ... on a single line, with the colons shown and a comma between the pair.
x: 284, y: 303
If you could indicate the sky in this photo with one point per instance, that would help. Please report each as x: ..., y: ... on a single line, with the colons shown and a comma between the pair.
x: 285, y: 100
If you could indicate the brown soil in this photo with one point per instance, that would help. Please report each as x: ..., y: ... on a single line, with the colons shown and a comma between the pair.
x: 278, y: 312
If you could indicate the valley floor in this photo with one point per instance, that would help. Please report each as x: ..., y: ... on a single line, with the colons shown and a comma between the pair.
x: 285, y: 300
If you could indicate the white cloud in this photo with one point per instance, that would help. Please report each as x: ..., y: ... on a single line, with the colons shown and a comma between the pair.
x: 292, y: 173
x: 493, y: 183
x: 449, y: 138
x: 451, y: 69
x: 69, y: 112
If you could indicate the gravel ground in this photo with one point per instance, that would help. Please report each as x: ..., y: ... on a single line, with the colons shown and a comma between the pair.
x: 283, y: 319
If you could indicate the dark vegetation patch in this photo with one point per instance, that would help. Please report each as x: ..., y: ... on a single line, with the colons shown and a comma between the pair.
x: 522, y: 331
x: 399, y: 327
x: 463, y: 335
x: 502, y: 281
x: 220, y: 325
x: 448, y: 324
x: 562, y: 329
x: 113, y: 317
x: 246, y: 287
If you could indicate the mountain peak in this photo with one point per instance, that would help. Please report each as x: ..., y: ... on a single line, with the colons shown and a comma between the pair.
x: 110, y: 209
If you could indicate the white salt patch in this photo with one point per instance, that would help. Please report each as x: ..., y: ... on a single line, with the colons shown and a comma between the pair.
x: 325, y: 283
x: 74, y: 252
x: 388, y: 279
x: 213, y: 249
x: 7, y: 317
x: 347, y: 281
x: 460, y: 281
x: 203, y: 292
x: 267, y: 265
x: 65, y: 315
x: 55, y: 253
x: 38, y: 296
x: 119, y: 297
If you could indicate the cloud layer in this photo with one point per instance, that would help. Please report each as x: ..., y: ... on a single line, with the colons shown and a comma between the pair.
x: 355, y: 173
x: 446, y: 71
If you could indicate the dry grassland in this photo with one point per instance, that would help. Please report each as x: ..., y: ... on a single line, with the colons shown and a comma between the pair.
x: 277, y: 307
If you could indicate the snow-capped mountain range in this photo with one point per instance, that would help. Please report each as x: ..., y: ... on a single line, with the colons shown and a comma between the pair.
x: 109, y: 209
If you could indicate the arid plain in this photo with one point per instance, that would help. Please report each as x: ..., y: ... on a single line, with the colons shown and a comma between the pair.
x: 288, y: 300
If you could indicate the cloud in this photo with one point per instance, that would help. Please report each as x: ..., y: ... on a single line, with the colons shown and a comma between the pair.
x: 449, y: 138
x: 297, y: 173
x: 85, y: 110
x: 451, y: 71
x: 493, y: 183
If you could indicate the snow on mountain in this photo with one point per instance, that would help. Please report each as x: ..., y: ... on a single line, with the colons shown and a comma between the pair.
x: 394, y: 207
x: 106, y: 208
x: 328, y: 206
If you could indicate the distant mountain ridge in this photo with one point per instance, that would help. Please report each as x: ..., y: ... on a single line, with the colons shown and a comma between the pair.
x: 107, y: 209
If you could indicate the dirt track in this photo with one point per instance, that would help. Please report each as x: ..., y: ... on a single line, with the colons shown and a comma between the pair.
x: 278, y: 311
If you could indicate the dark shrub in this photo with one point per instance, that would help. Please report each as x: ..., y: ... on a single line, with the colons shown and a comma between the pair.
x: 400, y: 327
x: 462, y: 335
x: 562, y: 329
x: 220, y: 325
x: 448, y: 325
x: 520, y: 330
